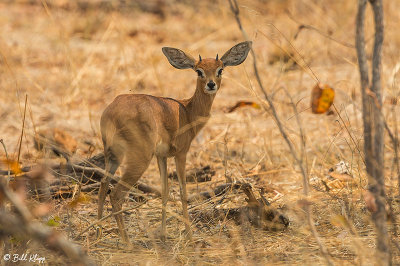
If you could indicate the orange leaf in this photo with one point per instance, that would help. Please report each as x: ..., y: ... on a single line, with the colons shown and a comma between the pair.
x: 322, y: 97
x: 242, y: 104
x: 13, y: 166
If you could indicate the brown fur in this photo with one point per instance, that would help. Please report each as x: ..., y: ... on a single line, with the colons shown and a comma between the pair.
x: 135, y: 127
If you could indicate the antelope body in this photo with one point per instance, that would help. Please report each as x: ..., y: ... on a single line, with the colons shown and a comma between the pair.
x: 136, y: 127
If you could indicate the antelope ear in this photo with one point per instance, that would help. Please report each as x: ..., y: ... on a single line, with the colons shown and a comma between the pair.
x: 177, y: 58
x: 237, y: 54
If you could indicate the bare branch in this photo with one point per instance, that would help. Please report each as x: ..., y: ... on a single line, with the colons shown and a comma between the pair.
x: 299, y: 160
x: 24, y: 226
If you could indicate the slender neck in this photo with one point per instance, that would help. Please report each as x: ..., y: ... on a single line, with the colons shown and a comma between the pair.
x: 199, y: 105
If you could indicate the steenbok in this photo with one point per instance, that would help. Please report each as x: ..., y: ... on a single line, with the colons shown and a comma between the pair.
x: 135, y: 127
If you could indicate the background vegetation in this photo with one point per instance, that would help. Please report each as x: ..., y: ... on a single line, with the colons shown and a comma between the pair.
x: 73, y: 57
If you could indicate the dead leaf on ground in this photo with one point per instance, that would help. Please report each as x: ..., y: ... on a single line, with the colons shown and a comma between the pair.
x: 54, y: 222
x: 82, y: 198
x: 242, y: 104
x: 13, y: 166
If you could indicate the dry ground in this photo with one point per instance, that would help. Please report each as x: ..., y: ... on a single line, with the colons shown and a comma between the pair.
x: 73, y: 57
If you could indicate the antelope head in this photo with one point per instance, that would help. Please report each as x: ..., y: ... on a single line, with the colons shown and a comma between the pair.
x: 209, y: 70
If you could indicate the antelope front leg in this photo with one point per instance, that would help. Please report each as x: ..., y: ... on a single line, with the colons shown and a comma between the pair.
x: 162, y: 166
x: 180, y: 161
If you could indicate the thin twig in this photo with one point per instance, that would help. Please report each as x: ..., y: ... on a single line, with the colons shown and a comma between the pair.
x: 43, y: 234
x: 8, y: 159
x: 348, y: 132
x: 25, y: 227
x: 235, y: 9
x: 309, y: 27
x: 228, y: 179
x: 22, y: 130
x: 314, y: 76
x: 108, y: 216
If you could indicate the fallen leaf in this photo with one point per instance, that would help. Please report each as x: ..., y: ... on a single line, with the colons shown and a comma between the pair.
x: 82, y: 198
x: 322, y: 97
x: 13, y: 166
x: 54, y: 221
x: 242, y: 104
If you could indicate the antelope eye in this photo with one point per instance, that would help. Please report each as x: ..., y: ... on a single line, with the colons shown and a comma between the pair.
x: 220, y: 72
x: 199, y: 73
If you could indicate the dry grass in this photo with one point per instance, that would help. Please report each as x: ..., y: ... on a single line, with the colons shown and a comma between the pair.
x: 72, y: 61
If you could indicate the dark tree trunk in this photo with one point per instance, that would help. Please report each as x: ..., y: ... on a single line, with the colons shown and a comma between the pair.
x: 373, y: 123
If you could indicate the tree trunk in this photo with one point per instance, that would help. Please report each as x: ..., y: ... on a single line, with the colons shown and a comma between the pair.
x: 374, y: 124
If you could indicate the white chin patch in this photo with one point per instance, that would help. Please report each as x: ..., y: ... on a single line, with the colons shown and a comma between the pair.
x: 211, y: 91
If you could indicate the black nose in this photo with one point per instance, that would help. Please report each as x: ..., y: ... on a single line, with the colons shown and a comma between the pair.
x: 211, y: 84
